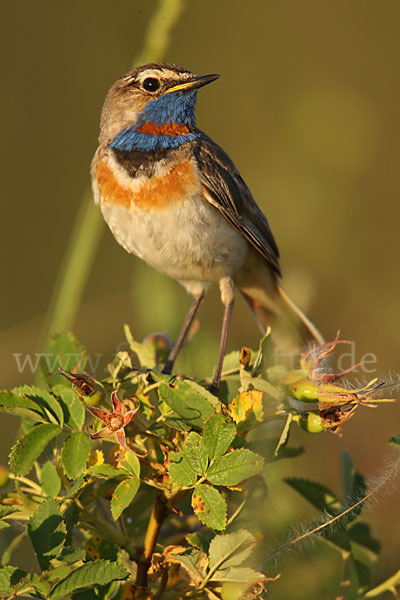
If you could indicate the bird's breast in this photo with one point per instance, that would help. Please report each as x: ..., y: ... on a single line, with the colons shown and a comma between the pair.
x: 170, y: 184
x: 165, y: 220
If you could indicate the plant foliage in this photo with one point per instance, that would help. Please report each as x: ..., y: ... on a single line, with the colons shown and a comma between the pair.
x: 156, y: 510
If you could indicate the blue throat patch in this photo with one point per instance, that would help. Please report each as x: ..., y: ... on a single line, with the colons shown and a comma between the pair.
x: 176, y: 107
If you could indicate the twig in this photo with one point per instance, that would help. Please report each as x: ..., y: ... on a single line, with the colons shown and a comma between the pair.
x: 157, y: 517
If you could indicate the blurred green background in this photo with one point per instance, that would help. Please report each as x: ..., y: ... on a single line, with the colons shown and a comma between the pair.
x: 307, y: 107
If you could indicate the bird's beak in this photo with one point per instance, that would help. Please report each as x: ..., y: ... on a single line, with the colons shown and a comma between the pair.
x: 194, y: 84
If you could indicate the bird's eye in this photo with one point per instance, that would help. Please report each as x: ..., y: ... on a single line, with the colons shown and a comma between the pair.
x: 151, y: 84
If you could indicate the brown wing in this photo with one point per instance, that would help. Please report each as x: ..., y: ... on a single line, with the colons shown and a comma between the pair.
x: 225, y: 189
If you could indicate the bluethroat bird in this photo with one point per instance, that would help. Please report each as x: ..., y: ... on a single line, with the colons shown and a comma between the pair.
x: 174, y: 198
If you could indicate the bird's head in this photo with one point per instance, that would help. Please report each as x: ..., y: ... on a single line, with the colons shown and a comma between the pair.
x: 151, y: 106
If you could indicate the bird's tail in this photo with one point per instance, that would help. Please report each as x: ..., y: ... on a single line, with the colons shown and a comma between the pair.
x: 290, y: 328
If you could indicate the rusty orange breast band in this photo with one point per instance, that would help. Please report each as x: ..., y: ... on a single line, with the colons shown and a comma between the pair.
x: 172, y: 129
x: 158, y: 192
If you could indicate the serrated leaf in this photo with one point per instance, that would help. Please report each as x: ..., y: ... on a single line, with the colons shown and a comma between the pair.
x: 235, y: 466
x: 70, y: 516
x: 218, y: 434
x: 189, y: 561
x: 6, y: 511
x: 9, y: 577
x: 180, y: 470
x: 123, y: 495
x: 209, y: 506
x: 75, y: 453
x: 195, y: 453
x: 231, y: 549
x: 73, y: 409
x: 192, y: 403
x: 14, y: 404
x: 30, y: 446
x: 317, y: 494
x: 238, y: 575
x: 98, y: 572
x: 50, y: 480
x: 47, y: 532
x: 45, y: 400
x: 63, y: 350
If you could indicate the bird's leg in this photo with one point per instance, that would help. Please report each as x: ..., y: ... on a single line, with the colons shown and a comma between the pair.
x: 228, y: 298
x: 181, y: 338
x: 216, y: 381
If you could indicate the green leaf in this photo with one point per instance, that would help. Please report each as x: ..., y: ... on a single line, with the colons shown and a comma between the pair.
x: 235, y: 466
x: 209, y: 506
x: 9, y: 577
x: 146, y: 354
x: 354, y: 487
x: 199, y: 540
x: 218, y: 434
x: 231, y: 549
x: 70, y: 554
x: 360, y: 533
x: 73, y: 409
x: 51, y: 408
x: 70, y: 516
x: 75, y: 453
x: 64, y: 350
x: 47, y: 532
x: 98, y: 572
x: 43, y: 587
x: 105, y: 471
x: 395, y: 440
x: 14, y: 404
x: 348, y: 473
x: 30, y: 446
x: 180, y: 470
x: 195, y: 454
x: 131, y: 464
x: 192, y: 403
x: 317, y: 494
x: 6, y: 511
x: 50, y: 480
x: 123, y: 495
x: 231, y: 362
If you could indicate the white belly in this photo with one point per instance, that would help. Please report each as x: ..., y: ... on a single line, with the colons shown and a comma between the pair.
x: 188, y: 241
